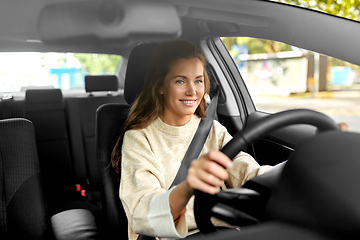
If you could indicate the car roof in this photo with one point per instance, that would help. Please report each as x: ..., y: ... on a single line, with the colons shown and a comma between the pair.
x: 115, y: 26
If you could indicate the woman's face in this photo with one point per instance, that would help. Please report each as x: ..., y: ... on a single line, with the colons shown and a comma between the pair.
x: 182, y: 91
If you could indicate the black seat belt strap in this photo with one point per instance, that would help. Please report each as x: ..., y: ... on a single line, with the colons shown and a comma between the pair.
x: 195, y: 146
x: 198, y: 140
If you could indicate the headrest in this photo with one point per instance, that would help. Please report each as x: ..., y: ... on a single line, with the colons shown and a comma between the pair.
x: 138, y: 66
x: 101, y: 83
x: 43, y: 99
x: 318, y: 187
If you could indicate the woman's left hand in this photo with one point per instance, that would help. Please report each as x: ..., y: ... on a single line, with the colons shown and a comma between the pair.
x: 344, y: 126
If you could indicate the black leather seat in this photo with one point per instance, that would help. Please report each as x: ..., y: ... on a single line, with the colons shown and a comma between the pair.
x: 109, y: 121
x: 23, y: 212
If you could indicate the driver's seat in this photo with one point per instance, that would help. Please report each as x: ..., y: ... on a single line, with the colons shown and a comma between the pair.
x: 109, y: 120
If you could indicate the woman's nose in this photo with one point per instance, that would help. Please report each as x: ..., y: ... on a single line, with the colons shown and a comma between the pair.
x: 190, y: 89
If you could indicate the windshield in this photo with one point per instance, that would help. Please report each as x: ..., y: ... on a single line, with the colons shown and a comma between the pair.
x: 342, y: 8
x: 23, y: 70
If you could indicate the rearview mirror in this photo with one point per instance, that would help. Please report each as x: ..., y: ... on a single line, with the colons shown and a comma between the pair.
x: 93, y: 21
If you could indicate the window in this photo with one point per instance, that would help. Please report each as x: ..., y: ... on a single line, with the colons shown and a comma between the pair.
x: 342, y: 8
x: 281, y: 77
x: 22, y: 70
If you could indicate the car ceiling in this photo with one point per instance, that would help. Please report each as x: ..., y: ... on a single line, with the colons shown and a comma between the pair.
x: 85, y: 25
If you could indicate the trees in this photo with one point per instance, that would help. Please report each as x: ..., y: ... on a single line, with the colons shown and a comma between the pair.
x: 342, y: 8
x: 98, y: 63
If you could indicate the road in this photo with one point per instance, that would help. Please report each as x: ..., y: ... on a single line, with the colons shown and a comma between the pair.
x: 342, y: 106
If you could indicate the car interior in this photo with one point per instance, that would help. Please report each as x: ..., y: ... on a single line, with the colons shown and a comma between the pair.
x: 55, y: 145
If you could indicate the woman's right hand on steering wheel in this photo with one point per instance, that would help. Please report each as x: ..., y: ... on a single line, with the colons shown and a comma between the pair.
x: 208, y: 173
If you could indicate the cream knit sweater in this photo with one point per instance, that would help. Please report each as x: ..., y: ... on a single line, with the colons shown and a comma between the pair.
x: 151, y: 158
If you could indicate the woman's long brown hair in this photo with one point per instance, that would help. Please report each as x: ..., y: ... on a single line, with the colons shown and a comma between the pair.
x: 150, y: 105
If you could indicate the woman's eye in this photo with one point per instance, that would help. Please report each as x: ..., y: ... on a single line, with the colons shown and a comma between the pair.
x: 198, y: 81
x: 179, y: 81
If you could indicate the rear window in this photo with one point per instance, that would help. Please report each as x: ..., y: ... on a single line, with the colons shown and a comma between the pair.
x: 23, y: 70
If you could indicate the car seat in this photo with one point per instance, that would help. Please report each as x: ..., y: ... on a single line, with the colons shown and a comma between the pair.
x: 109, y: 120
x: 45, y: 108
x: 80, y: 111
x: 23, y: 210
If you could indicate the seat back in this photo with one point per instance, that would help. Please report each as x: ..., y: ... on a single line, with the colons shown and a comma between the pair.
x: 109, y: 121
x: 81, y: 111
x: 23, y: 212
x: 110, y: 118
x: 46, y: 109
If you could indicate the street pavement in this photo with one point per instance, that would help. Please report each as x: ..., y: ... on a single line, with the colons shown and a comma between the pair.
x: 342, y: 106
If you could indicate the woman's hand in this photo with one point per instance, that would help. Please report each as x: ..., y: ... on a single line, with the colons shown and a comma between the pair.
x: 208, y: 172
x: 344, y: 126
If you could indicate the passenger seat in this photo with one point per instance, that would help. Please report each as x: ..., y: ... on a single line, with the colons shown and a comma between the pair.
x: 81, y: 111
x: 46, y: 109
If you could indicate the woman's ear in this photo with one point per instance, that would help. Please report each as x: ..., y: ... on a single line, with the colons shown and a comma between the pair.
x: 161, y: 91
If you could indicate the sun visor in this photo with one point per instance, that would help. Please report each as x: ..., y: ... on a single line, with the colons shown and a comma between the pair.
x: 95, y: 21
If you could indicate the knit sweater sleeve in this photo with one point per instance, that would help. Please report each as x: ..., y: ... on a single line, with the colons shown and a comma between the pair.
x: 143, y: 192
x: 244, y: 167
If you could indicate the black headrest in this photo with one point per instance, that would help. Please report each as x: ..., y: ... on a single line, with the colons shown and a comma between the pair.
x: 138, y: 65
x: 43, y: 99
x: 101, y: 83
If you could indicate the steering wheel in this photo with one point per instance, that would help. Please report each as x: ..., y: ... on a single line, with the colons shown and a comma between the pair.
x: 252, y: 203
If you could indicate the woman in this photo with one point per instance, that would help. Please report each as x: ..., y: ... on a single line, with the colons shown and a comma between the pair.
x: 157, y: 133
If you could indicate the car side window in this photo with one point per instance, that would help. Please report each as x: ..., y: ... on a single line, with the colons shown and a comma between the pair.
x: 280, y: 77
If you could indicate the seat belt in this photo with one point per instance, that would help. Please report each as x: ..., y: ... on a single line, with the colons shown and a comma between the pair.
x: 198, y: 140
x: 195, y: 146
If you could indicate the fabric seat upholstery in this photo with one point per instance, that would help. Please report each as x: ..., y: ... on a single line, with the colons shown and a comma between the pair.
x: 46, y: 109
x: 23, y: 213
x: 81, y: 113
x: 109, y: 121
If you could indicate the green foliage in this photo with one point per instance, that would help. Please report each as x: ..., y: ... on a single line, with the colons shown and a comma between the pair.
x: 98, y: 63
x: 342, y: 8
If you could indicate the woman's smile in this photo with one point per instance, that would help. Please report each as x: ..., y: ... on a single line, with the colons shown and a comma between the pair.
x: 189, y: 102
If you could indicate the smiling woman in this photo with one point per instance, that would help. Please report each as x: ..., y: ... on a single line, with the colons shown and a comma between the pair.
x: 158, y: 131
x: 155, y: 142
